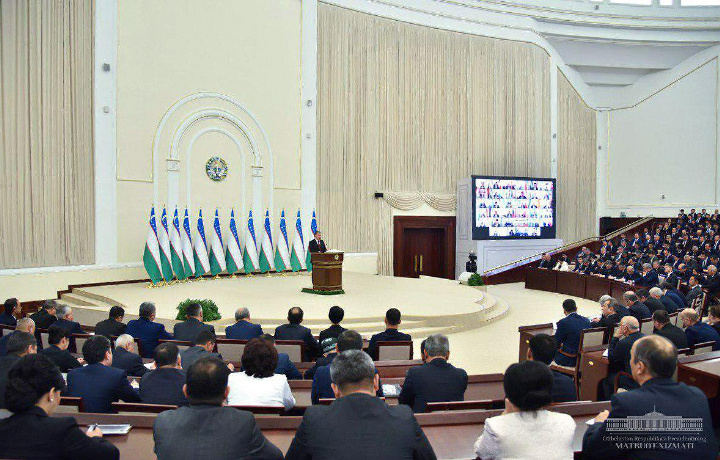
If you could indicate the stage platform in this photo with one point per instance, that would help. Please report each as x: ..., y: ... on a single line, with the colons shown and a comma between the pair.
x: 428, y: 304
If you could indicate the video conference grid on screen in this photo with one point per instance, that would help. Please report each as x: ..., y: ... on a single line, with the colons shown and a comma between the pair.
x: 513, y: 208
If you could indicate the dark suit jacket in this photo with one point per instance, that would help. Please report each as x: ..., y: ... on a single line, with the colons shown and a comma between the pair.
x: 323, y: 361
x: 192, y: 354
x: 212, y: 431
x: 609, y: 320
x: 619, y: 352
x: 655, y: 304
x: 702, y: 332
x: 640, y: 311
x: 678, y: 298
x: 298, y: 332
x: 669, y: 303
x: 149, y: 333
x: 32, y: 434
x: 129, y: 362
x: 314, y: 246
x: 43, y: 319
x: 434, y: 381
x: 694, y: 293
x: 712, y: 284
x: 656, y: 395
x: 8, y: 320
x: 243, y: 330
x: 568, y: 337
x: 163, y: 386
x: 648, y: 280
x: 563, y: 389
x: 332, y: 332
x: 6, y: 363
x: 99, y: 386
x: 321, y: 388
x: 190, y: 329
x: 61, y: 358
x: 674, y: 334
x: 389, y: 335
x: 110, y: 328
x: 3, y: 343
x: 287, y: 368
x: 359, y: 427
x: 73, y: 327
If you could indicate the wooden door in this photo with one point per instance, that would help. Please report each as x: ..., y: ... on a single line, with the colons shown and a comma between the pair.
x: 424, y: 246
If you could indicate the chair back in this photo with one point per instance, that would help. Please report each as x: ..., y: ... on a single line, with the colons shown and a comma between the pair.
x: 646, y: 326
x: 262, y: 410
x: 44, y: 338
x: 295, y: 349
x: 700, y: 348
x: 80, y: 340
x: 181, y: 344
x: 674, y: 317
x: 395, y: 351
x: 593, y: 337
x: 5, y: 329
x: 230, y: 349
x: 138, y: 408
x: 484, y: 404
x: 73, y: 402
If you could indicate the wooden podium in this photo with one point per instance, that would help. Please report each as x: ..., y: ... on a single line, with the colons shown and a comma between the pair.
x: 327, y: 270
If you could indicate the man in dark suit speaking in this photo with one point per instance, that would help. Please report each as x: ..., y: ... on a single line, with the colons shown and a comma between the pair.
x: 317, y: 244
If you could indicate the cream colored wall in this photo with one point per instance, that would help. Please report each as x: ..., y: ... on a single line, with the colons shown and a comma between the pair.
x: 168, y: 49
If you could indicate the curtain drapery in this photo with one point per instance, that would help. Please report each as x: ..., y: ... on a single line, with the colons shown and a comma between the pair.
x: 47, y: 203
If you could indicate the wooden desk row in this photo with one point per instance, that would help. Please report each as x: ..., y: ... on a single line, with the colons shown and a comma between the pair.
x: 574, y: 284
x: 452, y: 435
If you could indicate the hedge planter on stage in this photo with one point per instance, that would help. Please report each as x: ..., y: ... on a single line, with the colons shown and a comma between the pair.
x: 319, y: 292
x: 209, y: 309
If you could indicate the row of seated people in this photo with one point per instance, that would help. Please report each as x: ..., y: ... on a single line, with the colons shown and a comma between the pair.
x: 149, y: 332
x: 358, y: 425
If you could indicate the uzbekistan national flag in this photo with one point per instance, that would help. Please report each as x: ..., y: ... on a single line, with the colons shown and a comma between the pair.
x: 151, y: 256
x: 297, y: 255
x: 176, y: 248
x: 217, y: 252
x: 282, y: 253
x: 313, y: 230
x: 233, y: 254
x: 187, y: 250
x: 164, y: 241
x: 266, y: 247
x: 202, y: 264
x: 250, y: 255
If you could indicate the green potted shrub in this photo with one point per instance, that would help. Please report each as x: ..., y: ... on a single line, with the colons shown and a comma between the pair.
x: 209, y: 309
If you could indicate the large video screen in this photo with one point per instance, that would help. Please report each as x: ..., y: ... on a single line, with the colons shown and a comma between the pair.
x: 513, y: 207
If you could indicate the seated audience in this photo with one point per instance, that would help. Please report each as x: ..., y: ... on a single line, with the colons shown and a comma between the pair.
x: 649, y: 277
x: 33, y: 395
x: 712, y: 282
x: 714, y: 318
x: 125, y: 358
x: 113, y: 326
x: 19, y: 345
x: 562, y: 264
x: 258, y: 384
x: 610, y: 314
x: 663, y: 328
x: 189, y: 329
x: 695, y: 291
x: 294, y: 331
x: 676, y: 296
x: 543, y: 348
x: 164, y: 384
x: 12, y: 311
x: 322, y: 382
x: 335, y: 315
x: 243, y: 329
x: 649, y: 301
x: 546, y: 261
x: 57, y: 352
x: 526, y: 430
x: 45, y: 316
x: 696, y: 331
x: 205, y: 428
x: 203, y: 346
x: 668, y: 303
x: 391, y: 333
x: 358, y: 425
x: 147, y: 330
x: 99, y: 384
x: 23, y: 325
x: 627, y: 333
x: 284, y: 366
x: 638, y: 309
x: 66, y: 320
x: 653, y: 362
x: 568, y: 334
x: 436, y: 380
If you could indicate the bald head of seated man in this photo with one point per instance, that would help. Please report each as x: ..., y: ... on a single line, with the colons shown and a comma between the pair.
x: 696, y: 331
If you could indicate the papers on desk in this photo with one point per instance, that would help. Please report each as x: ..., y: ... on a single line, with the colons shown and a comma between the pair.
x: 606, y: 352
x: 590, y: 422
x: 150, y: 366
x: 391, y: 390
x: 110, y: 430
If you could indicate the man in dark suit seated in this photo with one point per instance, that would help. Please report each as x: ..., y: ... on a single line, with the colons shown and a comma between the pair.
x: 125, y: 358
x: 113, y: 326
x: 99, y: 384
x: 189, y: 329
x: 696, y: 331
x: 45, y: 316
x: 712, y: 282
x: 436, y: 380
x: 294, y: 331
x: 57, y: 352
x: 543, y: 348
x: 611, y: 314
x: 335, y: 315
x: 164, y: 384
x: 649, y: 277
x: 638, y: 309
x: 317, y: 244
x: 206, y: 428
x: 243, y: 329
x: 391, y: 333
x: 12, y: 311
x: 147, y: 330
x: 676, y: 296
x: 663, y: 328
x: 653, y: 362
x: 19, y: 345
x: 284, y: 365
x: 668, y: 303
x: 203, y: 346
x: 695, y: 289
x: 568, y: 334
x: 67, y: 321
x: 649, y: 301
x: 627, y: 333
x: 23, y: 325
x: 358, y: 425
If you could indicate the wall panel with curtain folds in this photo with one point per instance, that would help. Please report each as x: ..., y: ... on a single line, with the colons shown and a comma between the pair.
x: 46, y: 155
x: 403, y: 107
x: 576, y: 179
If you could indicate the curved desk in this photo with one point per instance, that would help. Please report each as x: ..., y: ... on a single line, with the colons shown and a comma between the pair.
x: 589, y: 287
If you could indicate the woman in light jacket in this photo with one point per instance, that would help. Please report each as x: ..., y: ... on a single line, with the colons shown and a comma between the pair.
x: 562, y: 264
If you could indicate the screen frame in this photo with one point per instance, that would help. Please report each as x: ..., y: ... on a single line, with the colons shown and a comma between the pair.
x: 475, y: 229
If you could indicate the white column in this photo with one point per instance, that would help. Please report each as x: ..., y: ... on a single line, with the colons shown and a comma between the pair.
x: 603, y: 120
x: 257, y: 206
x: 553, y: 121
x: 309, y: 103
x: 104, y: 130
